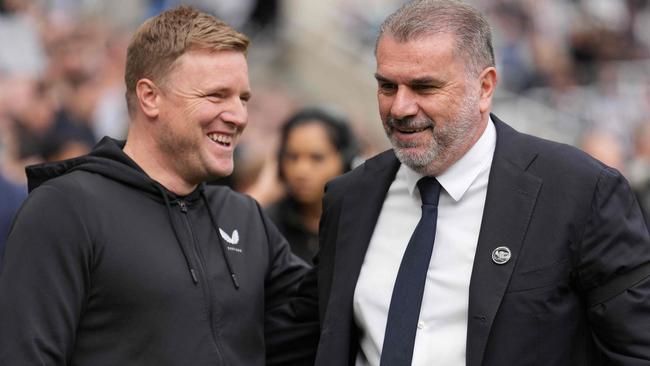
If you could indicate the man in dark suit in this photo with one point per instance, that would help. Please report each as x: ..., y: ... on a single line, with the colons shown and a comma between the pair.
x: 514, y: 250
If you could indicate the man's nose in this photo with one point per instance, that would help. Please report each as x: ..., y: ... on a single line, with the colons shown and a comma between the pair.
x: 404, y: 104
x: 236, y: 112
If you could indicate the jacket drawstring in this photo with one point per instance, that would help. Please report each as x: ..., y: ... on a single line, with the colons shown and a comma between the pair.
x: 188, y: 259
x: 222, y: 245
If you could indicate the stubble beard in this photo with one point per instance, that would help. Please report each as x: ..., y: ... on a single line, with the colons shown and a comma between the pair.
x: 181, y: 152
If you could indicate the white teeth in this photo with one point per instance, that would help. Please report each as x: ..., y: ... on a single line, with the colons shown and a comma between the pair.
x: 221, y: 139
x: 414, y: 131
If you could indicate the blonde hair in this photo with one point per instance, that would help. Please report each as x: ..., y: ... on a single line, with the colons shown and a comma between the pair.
x: 161, y: 40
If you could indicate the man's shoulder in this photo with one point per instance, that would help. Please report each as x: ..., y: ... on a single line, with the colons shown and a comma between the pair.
x: 76, y: 194
x: 225, y: 196
x: 544, y: 154
x: 62, y: 200
x: 74, y: 184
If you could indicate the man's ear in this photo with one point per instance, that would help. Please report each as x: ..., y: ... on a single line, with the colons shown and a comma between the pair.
x: 148, y: 97
x: 488, y: 83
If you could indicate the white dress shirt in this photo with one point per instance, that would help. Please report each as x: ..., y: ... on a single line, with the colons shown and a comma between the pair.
x: 442, y: 327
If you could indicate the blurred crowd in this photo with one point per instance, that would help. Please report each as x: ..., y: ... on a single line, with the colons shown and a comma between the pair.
x: 584, y: 68
x: 588, y: 60
x: 577, y: 71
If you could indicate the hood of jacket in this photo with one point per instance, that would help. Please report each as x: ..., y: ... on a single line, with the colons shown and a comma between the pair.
x: 106, y: 158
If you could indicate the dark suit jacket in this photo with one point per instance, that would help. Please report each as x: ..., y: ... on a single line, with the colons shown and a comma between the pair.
x: 576, y: 290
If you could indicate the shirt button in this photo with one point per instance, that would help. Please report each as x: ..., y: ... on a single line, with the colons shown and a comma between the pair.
x: 420, y: 325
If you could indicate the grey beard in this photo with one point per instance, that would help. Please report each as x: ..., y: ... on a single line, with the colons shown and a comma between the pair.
x: 445, y: 143
x: 418, y: 162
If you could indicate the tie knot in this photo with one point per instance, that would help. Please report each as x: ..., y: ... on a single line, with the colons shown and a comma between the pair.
x: 429, y: 190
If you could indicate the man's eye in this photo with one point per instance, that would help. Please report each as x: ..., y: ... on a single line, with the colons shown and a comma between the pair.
x: 214, y: 96
x: 423, y: 87
x: 387, y: 87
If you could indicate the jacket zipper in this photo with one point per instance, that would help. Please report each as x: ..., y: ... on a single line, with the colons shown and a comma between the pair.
x: 203, y: 282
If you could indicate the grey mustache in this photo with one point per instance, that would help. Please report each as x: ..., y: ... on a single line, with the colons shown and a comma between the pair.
x: 409, y: 122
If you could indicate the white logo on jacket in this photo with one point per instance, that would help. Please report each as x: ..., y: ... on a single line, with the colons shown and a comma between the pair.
x: 231, y: 239
x: 234, y: 239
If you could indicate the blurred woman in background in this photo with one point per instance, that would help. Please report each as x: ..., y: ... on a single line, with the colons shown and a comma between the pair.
x: 315, y: 146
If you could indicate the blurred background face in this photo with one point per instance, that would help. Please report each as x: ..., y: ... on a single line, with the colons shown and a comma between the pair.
x: 309, y: 161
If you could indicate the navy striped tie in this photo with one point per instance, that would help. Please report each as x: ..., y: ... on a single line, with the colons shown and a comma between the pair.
x: 404, y: 311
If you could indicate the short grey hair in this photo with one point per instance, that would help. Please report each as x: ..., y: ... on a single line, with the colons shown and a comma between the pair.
x: 421, y: 18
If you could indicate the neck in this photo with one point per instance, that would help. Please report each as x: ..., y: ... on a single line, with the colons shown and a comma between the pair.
x: 311, y: 215
x: 142, y: 148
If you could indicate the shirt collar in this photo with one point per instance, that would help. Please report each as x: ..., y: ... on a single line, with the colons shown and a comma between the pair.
x: 457, y: 179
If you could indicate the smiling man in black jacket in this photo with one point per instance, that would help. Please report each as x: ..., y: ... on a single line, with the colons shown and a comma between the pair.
x: 125, y: 257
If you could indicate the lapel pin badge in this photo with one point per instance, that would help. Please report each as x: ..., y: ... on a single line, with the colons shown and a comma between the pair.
x: 501, y: 255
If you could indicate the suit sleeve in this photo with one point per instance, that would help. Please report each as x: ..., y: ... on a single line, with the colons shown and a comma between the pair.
x: 614, y: 273
x: 291, y: 336
x: 44, y: 280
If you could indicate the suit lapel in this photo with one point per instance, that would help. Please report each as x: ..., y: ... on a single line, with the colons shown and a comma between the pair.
x: 511, y: 196
x: 359, y: 213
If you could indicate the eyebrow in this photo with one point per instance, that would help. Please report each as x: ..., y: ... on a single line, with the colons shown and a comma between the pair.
x: 226, y: 90
x: 426, y: 80
x: 214, y: 90
x: 382, y: 79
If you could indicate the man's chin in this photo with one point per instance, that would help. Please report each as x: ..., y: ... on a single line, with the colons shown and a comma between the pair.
x: 416, y: 160
x: 220, y: 172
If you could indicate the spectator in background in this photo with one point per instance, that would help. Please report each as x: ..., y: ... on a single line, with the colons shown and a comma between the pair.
x: 315, y: 147
x: 13, y: 189
x: 11, y: 197
x: 41, y: 131
x: 604, y: 146
x: 641, y: 167
x: 21, y: 50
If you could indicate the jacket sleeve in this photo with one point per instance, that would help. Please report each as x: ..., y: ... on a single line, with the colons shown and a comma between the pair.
x: 291, y: 336
x: 614, y: 273
x: 44, y: 281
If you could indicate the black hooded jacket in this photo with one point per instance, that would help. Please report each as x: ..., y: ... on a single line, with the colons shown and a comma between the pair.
x: 104, y: 266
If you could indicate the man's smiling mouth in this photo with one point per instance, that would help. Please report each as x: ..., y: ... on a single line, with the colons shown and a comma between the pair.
x: 410, y: 130
x: 224, y: 140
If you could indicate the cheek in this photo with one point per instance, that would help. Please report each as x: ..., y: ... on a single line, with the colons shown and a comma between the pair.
x: 291, y: 172
x: 384, y: 102
x: 198, y: 111
x: 437, y: 105
x: 289, y: 175
x: 330, y: 169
